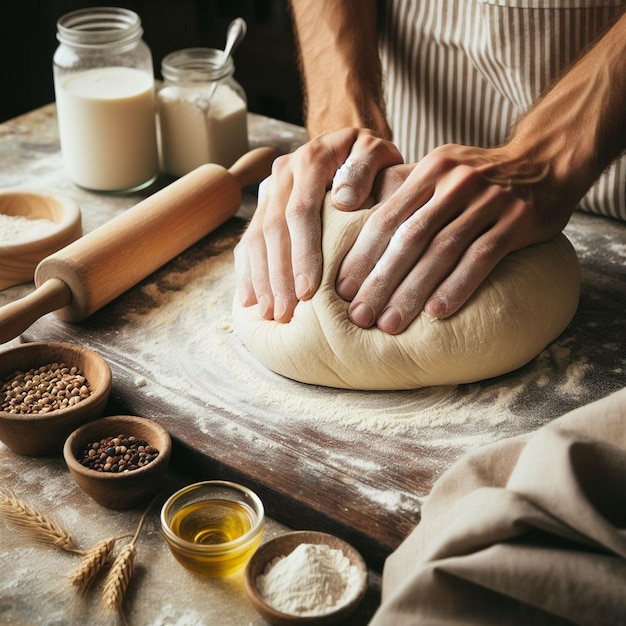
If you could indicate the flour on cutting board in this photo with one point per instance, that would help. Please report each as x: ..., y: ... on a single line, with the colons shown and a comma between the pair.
x: 191, y: 309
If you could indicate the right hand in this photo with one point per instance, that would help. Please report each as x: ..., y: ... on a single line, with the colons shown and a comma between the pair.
x: 279, y: 258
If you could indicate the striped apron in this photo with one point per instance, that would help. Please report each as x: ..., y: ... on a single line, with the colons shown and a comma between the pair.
x: 462, y: 71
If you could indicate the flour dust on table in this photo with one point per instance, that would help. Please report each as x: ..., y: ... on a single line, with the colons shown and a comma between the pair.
x: 191, y: 309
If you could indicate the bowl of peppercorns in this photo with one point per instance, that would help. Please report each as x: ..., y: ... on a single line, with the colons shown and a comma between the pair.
x: 47, y: 390
x: 119, y: 461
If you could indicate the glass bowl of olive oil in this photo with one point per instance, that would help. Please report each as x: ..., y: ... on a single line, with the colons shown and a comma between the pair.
x: 213, y: 527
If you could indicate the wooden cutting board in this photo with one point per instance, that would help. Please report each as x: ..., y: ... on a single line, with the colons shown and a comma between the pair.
x: 358, y: 464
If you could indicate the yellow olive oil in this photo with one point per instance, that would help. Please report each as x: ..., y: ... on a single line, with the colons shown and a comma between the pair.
x: 210, y: 524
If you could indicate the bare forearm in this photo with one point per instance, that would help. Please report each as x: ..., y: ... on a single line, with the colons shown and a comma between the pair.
x: 579, y: 126
x: 340, y: 65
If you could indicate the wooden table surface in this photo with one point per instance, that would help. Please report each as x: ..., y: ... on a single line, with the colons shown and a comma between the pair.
x: 358, y: 464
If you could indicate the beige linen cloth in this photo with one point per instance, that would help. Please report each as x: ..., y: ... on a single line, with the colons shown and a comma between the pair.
x: 529, y: 530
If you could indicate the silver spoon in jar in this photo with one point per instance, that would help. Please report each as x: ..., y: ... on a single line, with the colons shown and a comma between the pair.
x: 236, y: 32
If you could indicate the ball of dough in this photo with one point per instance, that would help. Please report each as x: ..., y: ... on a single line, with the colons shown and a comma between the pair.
x: 524, y: 304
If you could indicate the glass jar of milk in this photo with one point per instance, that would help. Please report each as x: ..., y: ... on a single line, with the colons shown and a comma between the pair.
x: 202, y: 111
x: 105, y: 97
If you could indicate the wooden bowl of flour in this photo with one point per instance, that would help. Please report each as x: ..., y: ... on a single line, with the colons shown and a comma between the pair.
x: 272, y: 592
x: 33, y: 225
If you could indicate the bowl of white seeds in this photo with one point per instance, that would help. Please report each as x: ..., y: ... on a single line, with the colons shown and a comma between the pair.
x: 47, y: 390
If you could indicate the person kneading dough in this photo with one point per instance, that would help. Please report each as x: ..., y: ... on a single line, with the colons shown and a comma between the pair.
x: 526, y: 302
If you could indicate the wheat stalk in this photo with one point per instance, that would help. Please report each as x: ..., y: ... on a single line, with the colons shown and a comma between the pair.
x: 45, y: 530
x: 118, y: 578
x: 92, y: 562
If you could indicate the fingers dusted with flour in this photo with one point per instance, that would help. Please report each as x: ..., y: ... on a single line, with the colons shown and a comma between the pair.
x: 355, y: 179
x: 279, y: 258
x: 432, y: 242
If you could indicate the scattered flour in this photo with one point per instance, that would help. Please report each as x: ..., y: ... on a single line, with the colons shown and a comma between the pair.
x: 619, y: 249
x: 574, y: 376
x: 389, y: 499
x: 191, y: 309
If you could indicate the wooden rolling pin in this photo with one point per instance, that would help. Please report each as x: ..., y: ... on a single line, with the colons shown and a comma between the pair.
x: 79, y: 279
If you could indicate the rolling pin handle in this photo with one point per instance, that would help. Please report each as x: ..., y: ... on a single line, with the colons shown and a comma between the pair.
x: 17, y: 316
x: 253, y: 166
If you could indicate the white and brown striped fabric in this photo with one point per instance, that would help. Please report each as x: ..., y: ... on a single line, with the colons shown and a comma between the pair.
x: 462, y: 71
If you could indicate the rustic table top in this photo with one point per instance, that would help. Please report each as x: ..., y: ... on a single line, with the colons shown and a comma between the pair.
x: 355, y: 463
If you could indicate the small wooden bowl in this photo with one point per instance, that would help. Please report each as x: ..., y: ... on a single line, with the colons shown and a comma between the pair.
x: 39, y: 434
x: 283, y: 545
x: 126, y: 489
x: 18, y: 260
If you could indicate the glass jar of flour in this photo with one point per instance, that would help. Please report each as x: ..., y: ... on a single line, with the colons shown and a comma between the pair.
x: 202, y: 111
x: 105, y: 97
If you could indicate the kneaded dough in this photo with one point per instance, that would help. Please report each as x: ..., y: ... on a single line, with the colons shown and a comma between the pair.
x: 525, y: 303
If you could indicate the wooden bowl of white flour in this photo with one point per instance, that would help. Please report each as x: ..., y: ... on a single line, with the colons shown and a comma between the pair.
x: 33, y: 225
x: 306, y: 577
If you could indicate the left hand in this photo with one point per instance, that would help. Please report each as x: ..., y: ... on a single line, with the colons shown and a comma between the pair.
x: 444, y: 224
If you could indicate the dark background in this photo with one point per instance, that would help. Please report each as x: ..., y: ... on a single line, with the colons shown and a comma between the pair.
x: 265, y: 62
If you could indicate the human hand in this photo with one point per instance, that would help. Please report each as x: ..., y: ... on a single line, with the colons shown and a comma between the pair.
x: 444, y: 224
x: 279, y: 259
